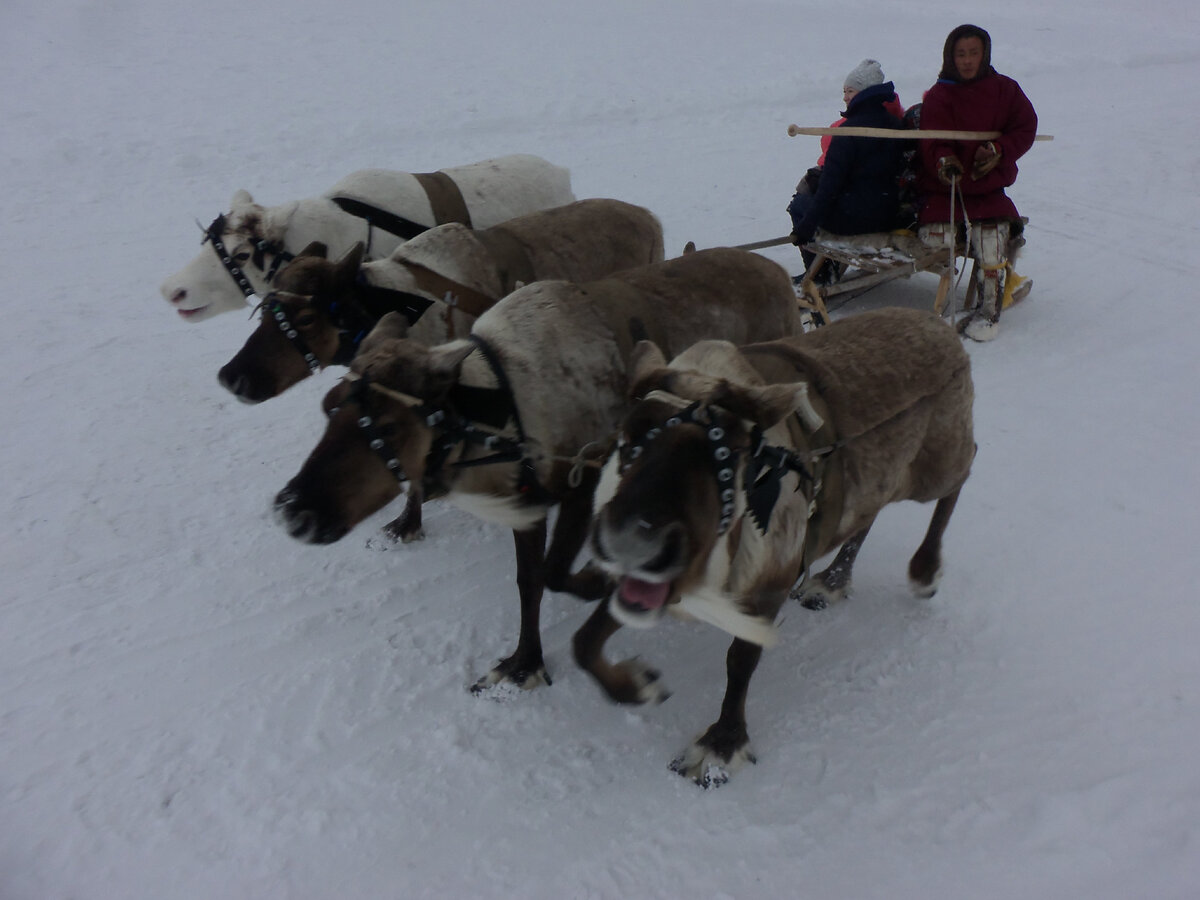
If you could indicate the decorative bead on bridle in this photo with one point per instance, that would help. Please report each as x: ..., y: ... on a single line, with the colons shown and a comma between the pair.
x: 262, y: 247
x: 724, y: 455
x: 272, y: 305
x: 765, y: 466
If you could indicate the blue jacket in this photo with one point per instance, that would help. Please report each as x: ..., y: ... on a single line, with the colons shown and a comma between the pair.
x: 858, y: 191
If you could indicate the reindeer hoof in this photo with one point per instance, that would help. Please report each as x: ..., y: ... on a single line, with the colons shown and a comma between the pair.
x: 503, y: 676
x: 817, y: 596
x: 706, y: 768
x: 646, y: 682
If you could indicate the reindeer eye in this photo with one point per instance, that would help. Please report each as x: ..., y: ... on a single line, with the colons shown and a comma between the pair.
x: 242, y: 257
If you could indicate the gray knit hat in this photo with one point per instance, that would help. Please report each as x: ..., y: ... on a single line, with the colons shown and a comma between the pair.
x: 865, y: 74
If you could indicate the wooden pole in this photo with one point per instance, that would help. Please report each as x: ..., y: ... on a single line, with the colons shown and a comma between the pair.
x: 904, y: 134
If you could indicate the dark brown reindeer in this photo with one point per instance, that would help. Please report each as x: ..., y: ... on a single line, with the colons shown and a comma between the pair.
x: 440, y: 282
x: 505, y: 422
x: 740, y: 468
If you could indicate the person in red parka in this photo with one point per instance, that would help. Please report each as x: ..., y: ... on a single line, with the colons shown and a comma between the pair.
x: 972, y: 96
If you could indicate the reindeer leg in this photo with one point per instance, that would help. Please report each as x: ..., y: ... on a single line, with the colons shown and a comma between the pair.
x: 925, y: 568
x: 831, y: 585
x: 526, y: 667
x: 407, y: 527
x: 725, y: 747
x: 570, y: 531
x: 629, y: 681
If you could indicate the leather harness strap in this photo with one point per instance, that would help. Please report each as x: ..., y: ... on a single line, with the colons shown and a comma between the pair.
x: 470, y: 301
x: 445, y: 198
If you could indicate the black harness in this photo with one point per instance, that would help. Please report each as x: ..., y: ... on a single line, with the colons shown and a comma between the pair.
x: 766, y: 465
x: 469, y: 416
x: 261, y: 249
x: 272, y: 307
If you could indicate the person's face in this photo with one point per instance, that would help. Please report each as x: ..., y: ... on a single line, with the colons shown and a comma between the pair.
x: 848, y: 94
x: 968, y: 57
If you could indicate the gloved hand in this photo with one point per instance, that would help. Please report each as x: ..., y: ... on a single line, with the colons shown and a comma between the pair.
x: 803, y: 236
x: 949, y: 167
x: 987, y: 157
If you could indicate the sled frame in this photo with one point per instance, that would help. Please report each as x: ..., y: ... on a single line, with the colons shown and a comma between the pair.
x: 871, y: 260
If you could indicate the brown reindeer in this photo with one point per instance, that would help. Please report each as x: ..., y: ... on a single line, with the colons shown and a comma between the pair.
x: 505, y: 422
x: 440, y: 282
x: 739, y: 468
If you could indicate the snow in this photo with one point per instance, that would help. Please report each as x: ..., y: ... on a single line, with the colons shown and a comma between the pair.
x: 193, y: 705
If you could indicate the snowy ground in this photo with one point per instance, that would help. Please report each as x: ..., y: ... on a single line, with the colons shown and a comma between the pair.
x: 192, y: 705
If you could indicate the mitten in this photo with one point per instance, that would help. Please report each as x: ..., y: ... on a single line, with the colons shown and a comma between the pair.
x: 948, y: 167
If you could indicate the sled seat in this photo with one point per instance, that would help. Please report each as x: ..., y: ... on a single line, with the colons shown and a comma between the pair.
x: 868, y: 260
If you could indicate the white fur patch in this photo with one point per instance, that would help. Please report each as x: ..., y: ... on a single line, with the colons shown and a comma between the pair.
x: 610, y: 480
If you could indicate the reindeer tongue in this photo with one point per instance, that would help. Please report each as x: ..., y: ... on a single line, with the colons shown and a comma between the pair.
x: 644, y: 594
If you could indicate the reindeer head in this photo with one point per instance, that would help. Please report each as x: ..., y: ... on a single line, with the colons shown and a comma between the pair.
x: 204, y: 287
x: 675, y: 495
x: 299, y: 330
x: 377, y: 437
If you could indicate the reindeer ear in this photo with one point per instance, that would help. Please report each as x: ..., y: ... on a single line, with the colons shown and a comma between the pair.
x: 241, y: 197
x: 647, y: 366
x: 768, y: 404
x: 392, y: 326
x: 647, y: 355
x: 346, y: 268
x: 445, y: 364
x: 316, y: 248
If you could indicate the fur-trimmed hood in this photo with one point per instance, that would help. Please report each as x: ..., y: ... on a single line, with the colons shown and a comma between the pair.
x: 949, y: 70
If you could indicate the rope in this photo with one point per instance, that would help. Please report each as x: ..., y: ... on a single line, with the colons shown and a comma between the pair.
x: 957, y: 194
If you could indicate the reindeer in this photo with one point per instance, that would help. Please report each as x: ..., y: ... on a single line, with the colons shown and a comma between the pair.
x: 507, y: 421
x: 739, y: 468
x: 440, y: 282
x: 379, y: 207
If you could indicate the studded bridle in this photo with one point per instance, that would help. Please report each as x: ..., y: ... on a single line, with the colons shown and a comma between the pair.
x: 262, y: 248
x: 765, y: 467
x: 453, y: 428
x: 272, y: 306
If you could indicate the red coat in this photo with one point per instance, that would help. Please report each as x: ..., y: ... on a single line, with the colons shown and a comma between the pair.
x: 994, y: 102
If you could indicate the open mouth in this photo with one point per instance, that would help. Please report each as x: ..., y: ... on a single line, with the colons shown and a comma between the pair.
x: 644, y: 596
x: 640, y: 603
x: 191, y: 313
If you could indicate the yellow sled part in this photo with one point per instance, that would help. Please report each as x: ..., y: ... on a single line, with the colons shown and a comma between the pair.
x: 1016, y: 288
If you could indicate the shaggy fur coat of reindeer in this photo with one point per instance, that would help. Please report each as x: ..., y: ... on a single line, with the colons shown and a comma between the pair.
x: 322, y: 309
x: 556, y: 355
x: 441, y: 280
x: 837, y: 424
x: 487, y: 193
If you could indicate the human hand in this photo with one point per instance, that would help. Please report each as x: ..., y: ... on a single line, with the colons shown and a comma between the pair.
x: 948, y: 167
x: 987, y: 157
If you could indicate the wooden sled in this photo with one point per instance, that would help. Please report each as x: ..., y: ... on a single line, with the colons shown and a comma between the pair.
x: 869, y: 260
